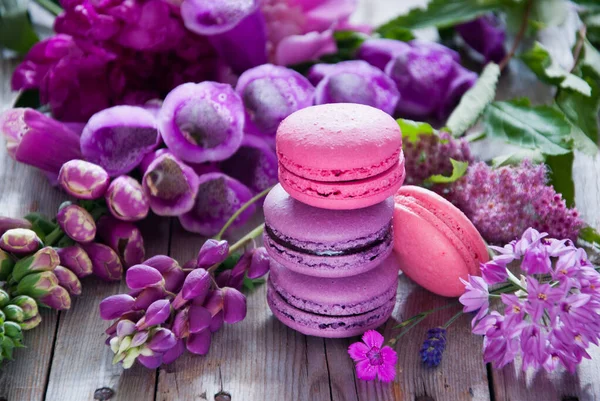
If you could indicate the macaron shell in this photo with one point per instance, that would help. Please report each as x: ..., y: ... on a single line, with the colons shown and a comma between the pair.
x: 327, y: 326
x: 338, y: 142
x: 344, y: 195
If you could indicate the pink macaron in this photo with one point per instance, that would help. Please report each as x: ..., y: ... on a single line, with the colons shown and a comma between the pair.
x: 340, y: 156
x: 435, y: 242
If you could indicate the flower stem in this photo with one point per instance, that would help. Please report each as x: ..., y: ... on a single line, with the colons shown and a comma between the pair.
x: 578, y: 46
x: 242, y: 241
x: 513, y: 279
x: 50, y: 6
x: 53, y: 237
x: 240, y: 211
x: 424, y: 314
x: 453, y: 319
x: 518, y: 38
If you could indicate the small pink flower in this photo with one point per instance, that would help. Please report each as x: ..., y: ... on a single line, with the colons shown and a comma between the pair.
x: 373, y: 360
x: 493, y: 272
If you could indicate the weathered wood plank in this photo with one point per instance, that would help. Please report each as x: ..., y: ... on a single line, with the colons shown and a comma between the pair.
x: 22, y: 190
x: 82, y: 362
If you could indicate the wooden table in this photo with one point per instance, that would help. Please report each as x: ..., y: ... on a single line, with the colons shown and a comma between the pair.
x: 259, y: 358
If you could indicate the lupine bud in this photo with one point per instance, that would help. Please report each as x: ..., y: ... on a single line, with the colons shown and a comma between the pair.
x: 217, y: 322
x: 259, y: 266
x: 37, y: 285
x: 83, y: 180
x: 27, y: 304
x: 124, y: 238
x: 13, y: 313
x: 75, y: 259
x: 77, y: 223
x: 174, y: 353
x: 124, y: 328
x: 20, y: 241
x: 214, y: 301
x: 170, y: 270
x: 31, y: 323
x: 157, y: 313
x: 105, y: 262
x: 162, y: 340
x: 212, y: 252
x: 68, y: 280
x: 119, y: 137
x: 57, y: 298
x: 196, y: 284
x: 147, y: 296
x: 6, y: 265
x: 150, y: 362
x: 143, y: 276
x: 171, y: 185
x: 4, y: 298
x: 199, y: 343
x: 234, y: 305
x: 116, y: 306
x: 46, y: 259
x: 126, y: 199
x: 139, y: 338
x: 133, y: 316
x: 202, y: 122
x: 7, y: 223
x: 181, y: 324
x: 199, y: 318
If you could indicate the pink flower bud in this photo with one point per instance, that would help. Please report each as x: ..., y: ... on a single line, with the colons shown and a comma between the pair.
x: 115, y: 306
x: 77, y: 223
x: 58, y: 298
x: 126, y: 199
x: 259, y: 266
x: 196, y: 284
x: 37, y: 285
x: 147, y: 296
x: 234, y: 305
x: 212, y: 253
x: 142, y: 276
x: 83, y: 180
x: 7, y: 223
x: 20, y: 241
x: 46, y: 259
x: 75, y: 259
x: 105, y: 261
x: 124, y: 238
x: 68, y: 280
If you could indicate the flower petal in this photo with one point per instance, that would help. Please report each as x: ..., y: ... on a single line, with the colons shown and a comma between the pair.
x: 365, y: 371
x: 373, y: 339
x: 358, y: 351
x: 386, y: 373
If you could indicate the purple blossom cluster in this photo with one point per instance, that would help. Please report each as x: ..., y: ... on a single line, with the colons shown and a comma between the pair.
x: 503, y: 202
x: 170, y: 309
x: 550, y: 315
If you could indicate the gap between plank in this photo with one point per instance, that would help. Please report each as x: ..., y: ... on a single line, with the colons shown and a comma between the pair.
x: 490, y: 376
x: 47, y: 381
x: 328, y: 371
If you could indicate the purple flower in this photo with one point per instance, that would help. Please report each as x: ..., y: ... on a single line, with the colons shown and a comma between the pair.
x: 259, y: 265
x: 379, y: 52
x: 105, y: 262
x: 116, y: 306
x: 162, y: 340
x: 433, y: 347
x: 234, y: 305
x: 75, y: 259
x: 170, y: 270
x: 536, y: 260
x: 533, y: 342
x: 57, y: 298
x: 126, y: 200
x: 77, y: 223
x: 124, y: 238
x: 514, y: 310
x: 215, y: 16
x: 486, y: 36
x: 143, y: 276
x: 476, y: 296
x: 212, y: 252
x: 373, y: 359
x: 7, y: 223
x: 540, y: 297
x: 199, y: 343
x: 83, y: 180
x: 68, y: 280
x: 157, y: 313
x: 493, y: 273
x: 199, y: 318
x: 196, y: 285
x: 20, y: 241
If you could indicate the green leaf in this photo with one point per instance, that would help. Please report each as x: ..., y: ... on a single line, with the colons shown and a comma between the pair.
x: 251, y: 284
x: 515, y: 158
x: 547, y: 13
x: 16, y: 30
x: 591, y: 58
x: 539, y: 60
x: 440, y: 13
x: 398, y: 33
x: 474, y: 101
x: 412, y: 130
x: 561, y: 176
x: 591, y: 236
x: 459, y: 169
x: 539, y: 127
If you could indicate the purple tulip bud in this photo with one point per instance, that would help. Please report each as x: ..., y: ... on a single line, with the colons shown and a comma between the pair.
x: 157, y: 313
x: 432, y: 92
x: 46, y: 259
x: 105, y: 261
x: 216, y: 323
x: 170, y: 185
x: 31, y: 323
x: 20, y: 241
x: 126, y: 199
x: 202, y: 122
x: 68, y: 280
x: 147, y: 296
x: 77, y: 223
x: 38, y: 140
x: 377, y: 52
x: 254, y: 164
x: 124, y: 327
x: 150, y: 362
x: 234, y: 305
x: 142, y: 276
x: 170, y: 270
x: 27, y: 304
x: 117, y: 138
x: 37, y: 285
x: 83, y: 180
x: 212, y: 252
x: 171, y: 355
x: 7, y: 223
x: 162, y: 340
x: 270, y: 94
x: 259, y: 266
x: 181, y: 324
x: 199, y: 343
x: 58, y: 298
x: 76, y: 259
x: 215, y: 16
x: 196, y: 284
x: 139, y: 338
x: 124, y: 238
x: 486, y: 36
x: 357, y: 81
x: 199, y: 318
x: 116, y: 306
x: 219, y: 197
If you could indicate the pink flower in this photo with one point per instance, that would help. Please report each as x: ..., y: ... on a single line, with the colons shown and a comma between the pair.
x: 540, y: 297
x: 373, y: 360
x: 493, y: 272
x: 476, y: 297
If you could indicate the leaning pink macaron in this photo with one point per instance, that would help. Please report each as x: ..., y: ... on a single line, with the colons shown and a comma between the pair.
x: 340, y: 156
x: 435, y: 242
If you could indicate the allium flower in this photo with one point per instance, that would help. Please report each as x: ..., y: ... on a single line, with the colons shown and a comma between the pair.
x: 433, y: 347
x: 503, y: 202
x: 552, y: 318
x: 373, y: 359
x: 486, y: 36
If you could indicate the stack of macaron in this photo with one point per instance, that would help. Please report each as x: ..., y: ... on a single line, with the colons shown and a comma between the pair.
x: 328, y: 225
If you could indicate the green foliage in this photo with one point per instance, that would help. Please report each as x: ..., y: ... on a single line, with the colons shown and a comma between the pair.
x: 474, y: 101
x: 591, y: 236
x: 398, y: 33
x: 16, y: 30
x: 412, y: 130
x: 459, y: 169
x: 561, y: 176
x: 515, y: 158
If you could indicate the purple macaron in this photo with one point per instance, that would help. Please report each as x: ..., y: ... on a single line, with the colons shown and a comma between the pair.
x: 326, y: 243
x: 333, y: 307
